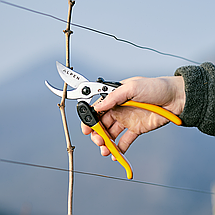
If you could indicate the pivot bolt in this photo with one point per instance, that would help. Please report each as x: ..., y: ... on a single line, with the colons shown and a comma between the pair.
x: 86, y: 91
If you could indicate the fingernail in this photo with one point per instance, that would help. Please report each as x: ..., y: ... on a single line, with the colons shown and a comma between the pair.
x: 113, y: 158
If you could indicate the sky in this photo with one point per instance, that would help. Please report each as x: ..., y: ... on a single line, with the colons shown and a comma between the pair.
x: 30, y: 125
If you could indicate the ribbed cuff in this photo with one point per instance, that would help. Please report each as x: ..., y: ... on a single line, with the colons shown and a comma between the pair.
x: 196, y: 92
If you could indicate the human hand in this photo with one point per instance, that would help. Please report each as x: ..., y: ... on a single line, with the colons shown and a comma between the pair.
x: 167, y: 92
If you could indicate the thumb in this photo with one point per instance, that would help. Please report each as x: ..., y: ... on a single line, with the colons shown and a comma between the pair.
x: 117, y: 97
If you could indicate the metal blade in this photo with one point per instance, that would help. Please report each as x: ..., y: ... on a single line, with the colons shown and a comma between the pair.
x: 71, y: 77
x: 70, y: 94
x: 54, y: 90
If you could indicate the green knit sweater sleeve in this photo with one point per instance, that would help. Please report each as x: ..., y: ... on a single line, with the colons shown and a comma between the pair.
x: 199, y: 110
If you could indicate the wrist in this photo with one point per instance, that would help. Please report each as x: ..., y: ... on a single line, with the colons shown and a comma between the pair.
x: 178, y: 96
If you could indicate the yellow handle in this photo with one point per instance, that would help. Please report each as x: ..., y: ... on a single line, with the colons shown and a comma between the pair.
x: 113, y: 149
x: 98, y: 127
x: 156, y: 109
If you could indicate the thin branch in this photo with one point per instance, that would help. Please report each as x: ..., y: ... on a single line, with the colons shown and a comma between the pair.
x: 70, y: 148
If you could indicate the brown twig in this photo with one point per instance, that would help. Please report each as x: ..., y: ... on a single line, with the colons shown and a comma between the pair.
x: 70, y: 148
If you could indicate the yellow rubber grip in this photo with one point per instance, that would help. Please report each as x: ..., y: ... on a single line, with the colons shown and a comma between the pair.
x: 156, y: 109
x: 113, y: 149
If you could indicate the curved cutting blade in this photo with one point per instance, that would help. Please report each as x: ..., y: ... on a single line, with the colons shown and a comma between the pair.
x: 70, y: 94
x: 71, y: 77
x: 54, y: 90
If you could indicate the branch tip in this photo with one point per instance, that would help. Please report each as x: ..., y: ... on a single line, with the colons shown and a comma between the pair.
x: 71, y: 2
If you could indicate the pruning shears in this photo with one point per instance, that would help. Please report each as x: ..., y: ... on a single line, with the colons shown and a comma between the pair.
x: 84, y: 90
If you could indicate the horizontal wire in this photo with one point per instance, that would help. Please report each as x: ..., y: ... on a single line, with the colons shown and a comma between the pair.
x: 108, y: 177
x: 100, y: 32
x: 121, y: 40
